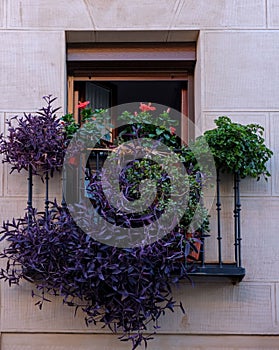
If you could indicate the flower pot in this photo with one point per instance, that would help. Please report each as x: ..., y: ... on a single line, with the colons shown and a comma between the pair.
x: 195, y: 246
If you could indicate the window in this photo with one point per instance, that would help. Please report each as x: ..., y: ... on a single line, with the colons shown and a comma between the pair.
x: 113, y: 74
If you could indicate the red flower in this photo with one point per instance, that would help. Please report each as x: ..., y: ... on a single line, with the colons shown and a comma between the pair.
x: 73, y: 161
x: 172, y: 130
x: 82, y: 105
x: 145, y: 108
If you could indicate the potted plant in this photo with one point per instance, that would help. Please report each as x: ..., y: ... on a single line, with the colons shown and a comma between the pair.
x: 37, y: 141
x: 163, y: 128
x: 238, y: 148
x: 123, y: 288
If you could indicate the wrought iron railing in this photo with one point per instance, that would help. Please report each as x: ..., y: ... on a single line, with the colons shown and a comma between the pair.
x: 234, y: 269
x: 201, y: 267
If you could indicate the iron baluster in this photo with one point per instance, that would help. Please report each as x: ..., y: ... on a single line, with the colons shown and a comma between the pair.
x: 202, y: 238
x: 46, y: 194
x: 63, y: 202
x: 30, y: 194
x: 218, y: 208
x: 97, y: 159
x: 238, y: 209
x: 235, y: 222
x: 63, y: 180
x: 202, y: 252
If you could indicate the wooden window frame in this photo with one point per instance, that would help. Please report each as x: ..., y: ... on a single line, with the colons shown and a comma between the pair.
x: 134, y: 62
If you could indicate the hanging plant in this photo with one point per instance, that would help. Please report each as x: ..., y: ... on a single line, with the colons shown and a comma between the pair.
x: 35, y: 140
x: 123, y: 288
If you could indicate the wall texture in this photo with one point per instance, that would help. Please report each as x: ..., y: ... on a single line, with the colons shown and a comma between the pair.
x: 236, y: 74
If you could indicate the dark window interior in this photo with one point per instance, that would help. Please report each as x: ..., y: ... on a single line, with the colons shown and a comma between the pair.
x: 167, y: 93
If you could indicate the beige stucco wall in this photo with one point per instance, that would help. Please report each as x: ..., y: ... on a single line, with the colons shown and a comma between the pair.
x: 236, y: 74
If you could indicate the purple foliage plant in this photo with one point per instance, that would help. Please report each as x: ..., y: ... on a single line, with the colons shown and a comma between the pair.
x: 36, y: 140
x: 124, y: 289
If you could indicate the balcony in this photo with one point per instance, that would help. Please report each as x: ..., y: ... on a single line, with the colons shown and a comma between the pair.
x: 204, y: 266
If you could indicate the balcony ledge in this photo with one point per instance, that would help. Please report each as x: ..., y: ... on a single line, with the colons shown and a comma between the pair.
x: 231, y: 271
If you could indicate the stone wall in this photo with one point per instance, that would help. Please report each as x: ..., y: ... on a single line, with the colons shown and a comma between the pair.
x: 236, y: 75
